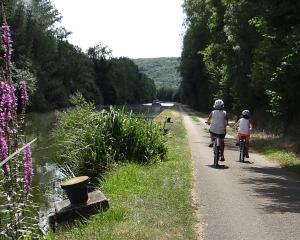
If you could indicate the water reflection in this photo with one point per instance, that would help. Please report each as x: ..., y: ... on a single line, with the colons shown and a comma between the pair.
x: 163, y: 104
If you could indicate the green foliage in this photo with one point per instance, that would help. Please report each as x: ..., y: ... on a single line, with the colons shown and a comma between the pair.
x: 130, y: 86
x: 89, y: 141
x: 119, y: 79
x: 164, y: 71
x: 167, y: 94
x: 244, y: 52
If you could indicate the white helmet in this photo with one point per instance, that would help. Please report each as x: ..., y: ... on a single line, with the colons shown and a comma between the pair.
x: 245, y: 112
x: 219, y: 104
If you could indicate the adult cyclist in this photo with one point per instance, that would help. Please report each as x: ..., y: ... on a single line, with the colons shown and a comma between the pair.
x: 218, y: 121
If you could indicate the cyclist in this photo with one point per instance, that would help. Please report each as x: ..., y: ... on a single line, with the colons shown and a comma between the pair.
x: 218, y: 121
x: 244, y: 126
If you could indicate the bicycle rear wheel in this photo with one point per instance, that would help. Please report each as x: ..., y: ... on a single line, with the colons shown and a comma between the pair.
x: 242, y: 150
x: 216, y: 155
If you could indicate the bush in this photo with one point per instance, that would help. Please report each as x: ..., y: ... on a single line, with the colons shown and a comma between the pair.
x: 90, y: 141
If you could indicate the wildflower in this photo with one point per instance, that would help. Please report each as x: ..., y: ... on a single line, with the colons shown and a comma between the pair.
x: 7, y: 44
x: 28, y: 169
x: 24, y: 93
x: 3, y: 150
x: 8, y: 103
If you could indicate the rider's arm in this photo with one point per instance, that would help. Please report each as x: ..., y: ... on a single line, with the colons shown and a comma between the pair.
x: 250, y: 125
x: 209, y: 118
x: 236, y: 124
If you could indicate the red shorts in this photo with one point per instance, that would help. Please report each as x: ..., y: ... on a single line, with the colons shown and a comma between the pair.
x: 240, y: 135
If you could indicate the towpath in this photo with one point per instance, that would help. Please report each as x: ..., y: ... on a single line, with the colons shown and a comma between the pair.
x: 241, y: 201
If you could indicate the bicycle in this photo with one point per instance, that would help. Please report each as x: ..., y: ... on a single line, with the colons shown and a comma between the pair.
x: 216, y: 149
x: 242, y: 144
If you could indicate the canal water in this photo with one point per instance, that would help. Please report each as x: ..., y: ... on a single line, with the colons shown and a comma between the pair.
x: 46, y: 189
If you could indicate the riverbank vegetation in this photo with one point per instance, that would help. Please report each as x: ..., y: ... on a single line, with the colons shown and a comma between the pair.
x: 246, y: 53
x: 18, y: 214
x: 90, y: 142
x: 55, y: 69
x: 150, y: 201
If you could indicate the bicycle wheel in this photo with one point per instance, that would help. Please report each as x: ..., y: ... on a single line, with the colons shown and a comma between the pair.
x: 242, y: 150
x: 216, y: 154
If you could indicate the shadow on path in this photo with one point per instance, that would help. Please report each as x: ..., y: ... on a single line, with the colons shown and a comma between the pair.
x: 220, y: 166
x: 272, y: 184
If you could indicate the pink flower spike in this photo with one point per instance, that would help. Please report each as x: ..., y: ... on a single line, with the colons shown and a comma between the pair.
x: 28, y: 169
x: 7, y: 43
x: 3, y: 151
x: 24, y: 94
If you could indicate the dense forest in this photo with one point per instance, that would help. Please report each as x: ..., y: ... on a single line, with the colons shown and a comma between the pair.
x: 164, y: 72
x: 245, y: 52
x: 55, y: 69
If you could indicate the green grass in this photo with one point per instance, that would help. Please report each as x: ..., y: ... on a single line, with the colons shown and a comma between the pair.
x: 277, y: 148
x: 151, y: 201
x: 195, y: 118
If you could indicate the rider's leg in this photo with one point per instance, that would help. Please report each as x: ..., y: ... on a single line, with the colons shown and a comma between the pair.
x: 211, y: 140
x: 222, y: 148
x: 237, y: 140
x: 247, y: 147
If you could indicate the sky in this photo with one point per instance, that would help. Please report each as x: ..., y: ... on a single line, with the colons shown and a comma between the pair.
x: 130, y: 28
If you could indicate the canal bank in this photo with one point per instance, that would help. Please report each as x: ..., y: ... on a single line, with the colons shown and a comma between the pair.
x: 150, y: 201
x: 46, y: 188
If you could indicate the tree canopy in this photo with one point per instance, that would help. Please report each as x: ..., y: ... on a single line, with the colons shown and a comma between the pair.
x: 164, y: 70
x: 165, y: 73
x: 55, y: 69
x: 245, y: 52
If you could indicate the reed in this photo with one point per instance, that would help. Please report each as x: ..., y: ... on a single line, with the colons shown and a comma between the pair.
x: 90, y: 141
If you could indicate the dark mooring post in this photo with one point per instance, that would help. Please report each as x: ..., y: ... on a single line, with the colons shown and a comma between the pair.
x: 81, y: 203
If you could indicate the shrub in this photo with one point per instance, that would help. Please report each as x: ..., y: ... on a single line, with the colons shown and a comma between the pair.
x: 90, y: 141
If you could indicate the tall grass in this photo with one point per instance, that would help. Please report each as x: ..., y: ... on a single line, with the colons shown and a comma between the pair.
x: 90, y: 141
x: 150, y: 201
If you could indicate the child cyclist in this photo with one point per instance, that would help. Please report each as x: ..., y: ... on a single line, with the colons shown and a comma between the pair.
x: 244, y: 126
x: 218, y: 121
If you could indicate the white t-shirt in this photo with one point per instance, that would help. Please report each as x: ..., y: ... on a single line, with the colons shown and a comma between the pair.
x: 244, y: 126
x: 218, y: 122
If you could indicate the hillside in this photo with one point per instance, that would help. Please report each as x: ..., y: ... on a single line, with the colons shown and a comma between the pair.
x: 162, y: 70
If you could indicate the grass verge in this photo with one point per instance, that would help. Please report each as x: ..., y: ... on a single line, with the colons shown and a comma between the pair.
x: 151, y: 201
x: 277, y: 148
x: 195, y: 118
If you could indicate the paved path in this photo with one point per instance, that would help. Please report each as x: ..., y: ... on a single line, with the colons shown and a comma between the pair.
x: 255, y: 200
